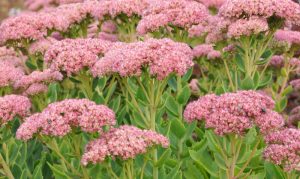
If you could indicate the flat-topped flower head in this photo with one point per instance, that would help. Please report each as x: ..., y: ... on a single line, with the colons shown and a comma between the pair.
x: 35, y: 89
x: 35, y: 5
x: 42, y: 77
x: 113, y: 8
x: 285, y: 9
x: 292, y: 37
x: 235, y: 112
x: 163, y: 57
x: 125, y: 142
x: 295, y: 84
x: 13, y: 106
x: 283, y: 148
x: 72, y: 55
x: 35, y: 25
x: 247, y: 27
x: 180, y: 13
x: 10, y: 71
x: 58, y: 119
x: 212, y: 3
x: 41, y: 45
x: 277, y: 61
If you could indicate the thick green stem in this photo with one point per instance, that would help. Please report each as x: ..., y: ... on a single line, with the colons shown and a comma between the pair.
x: 6, y: 169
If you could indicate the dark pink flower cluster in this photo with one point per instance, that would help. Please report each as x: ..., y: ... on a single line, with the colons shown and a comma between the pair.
x: 235, y: 112
x: 286, y: 9
x: 162, y: 56
x: 283, y: 148
x: 294, y: 117
x: 13, y: 106
x: 35, y: 25
x: 277, y: 61
x: 59, y: 118
x: 125, y: 142
x: 206, y: 50
x: 247, y: 27
x: 181, y: 13
x: 296, y: 84
x: 292, y: 37
x: 34, y: 5
x: 72, y: 55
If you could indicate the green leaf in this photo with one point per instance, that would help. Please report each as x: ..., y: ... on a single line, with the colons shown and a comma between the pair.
x: 173, y: 172
x: 163, y: 158
x: 37, y: 173
x: 97, y: 98
x: 251, y: 136
x: 256, y: 79
x: 178, y: 128
x: 287, y: 90
x: 58, y: 172
x: 273, y: 171
x: 52, y: 92
x: 240, y: 62
x: 190, y: 129
x: 30, y: 65
x: 116, y: 103
x: 283, y: 72
x: 188, y: 75
x: 184, y: 96
x: 265, y: 81
x: 205, y: 161
x: 172, y: 106
x: 247, y: 83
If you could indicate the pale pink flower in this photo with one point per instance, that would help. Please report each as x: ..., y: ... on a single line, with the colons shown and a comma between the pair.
x: 234, y: 112
x: 194, y: 85
x: 286, y: 9
x: 72, y: 55
x: 47, y: 76
x: 113, y: 8
x: 13, y: 106
x: 4, y: 51
x: 108, y: 37
x: 10, y: 71
x: 41, y: 45
x: 125, y: 142
x: 109, y: 27
x: 180, y: 13
x: 58, y: 119
x: 206, y: 50
x: 283, y: 148
x: 162, y: 56
x: 247, y: 27
x: 292, y: 37
x: 34, y: 5
x: 212, y: 3
x: 214, y: 54
x: 35, y: 89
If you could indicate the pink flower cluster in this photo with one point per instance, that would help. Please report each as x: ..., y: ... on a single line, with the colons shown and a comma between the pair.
x: 162, y: 56
x: 72, y: 55
x: 4, y: 52
x: 214, y: 28
x: 113, y: 8
x: 35, y: 25
x: 125, y: 142
x: 286, y: 9
x: 277, y: 61
x: 206, y: 50
x: 108, y: 30
x: 13, y: 106
x: 10, y: 70
x: 235, y: 112
x: 296, y: 84
x: 35, y: 89
x: 212, y: 3
x: 283, y: 148
x: 45, y: 77
x: 41, y: 45
x: 247, y: 27
x: 292, y: 37
x: 294, y: 117
x: 181, y: 13
x: 34, y: 5
x: 58, y: 119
